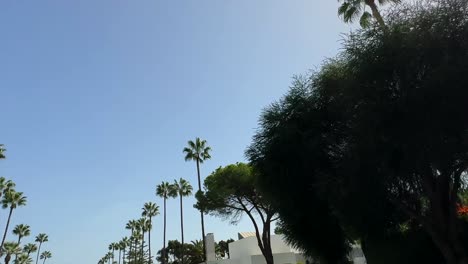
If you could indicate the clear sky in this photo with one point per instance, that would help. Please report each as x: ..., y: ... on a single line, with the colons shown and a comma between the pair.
x: 100, y: 96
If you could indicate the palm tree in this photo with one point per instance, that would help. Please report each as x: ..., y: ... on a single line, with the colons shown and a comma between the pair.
x: 163, y: 190
x: 123, y: 246
x: 21, y: 231
x: 10, y: 248
x: 11, y: 200
x: 198, y: 151
x: 109, y: 256
x: 181, y: 188
x: 24, y: 259
x: 2, y: 151
x: 351, y: 9
x: 6, y: 186
x: 131, y: 225
x: 29, y: 248
x: 150, y: 210
x: 113, y: 247
x: 144, y: 226
x: 41, y: 238
x: 46, y: 255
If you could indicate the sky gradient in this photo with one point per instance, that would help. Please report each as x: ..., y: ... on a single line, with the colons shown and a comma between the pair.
x: 100, y: 97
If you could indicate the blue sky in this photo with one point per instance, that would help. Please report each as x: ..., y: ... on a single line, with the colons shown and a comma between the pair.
x: 100, y: 96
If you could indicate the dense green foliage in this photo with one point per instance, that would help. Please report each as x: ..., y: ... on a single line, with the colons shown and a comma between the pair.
x: 377, y: 139
x: 193, y: 253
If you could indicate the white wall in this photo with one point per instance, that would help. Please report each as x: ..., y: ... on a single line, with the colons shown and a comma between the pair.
x: 248, y: 247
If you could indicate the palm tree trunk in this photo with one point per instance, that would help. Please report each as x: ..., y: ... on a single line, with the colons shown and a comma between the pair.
x: 38, y: 252
x: 182, y: 229
x: 44, y: 261
x: 164, y: 234
x: 16, y: 255
x: 375, y: 13
x: 123, y: 257
x: 201, y: 213
x: 112, y: 256
x: 6, y: 229
x: 143, y: 248
x: 120, y: 255
x: 149, y: 241
x: 135, y: 250
x: 7, y: 259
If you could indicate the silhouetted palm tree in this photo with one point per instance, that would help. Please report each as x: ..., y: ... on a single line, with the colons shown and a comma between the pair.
x: 21, y: 231
x: 41, y: 238
x: 29, y: 248
x: 350, y: 10
x: 11, y: 200
x: 10, y: 248
x: 181, y: 188
x: 46, y: 255
x: 150, y: 210
x: 163, y: 191
x: 198, y: 151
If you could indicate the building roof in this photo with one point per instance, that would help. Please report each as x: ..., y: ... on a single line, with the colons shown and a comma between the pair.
x: 242, y: 235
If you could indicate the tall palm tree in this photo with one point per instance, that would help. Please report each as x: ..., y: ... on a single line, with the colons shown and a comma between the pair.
x: 29, y: 248
x: 350, y: 10
x: 109, y: 256
x: 123, y: 246
x: 150, y: 210
x: 41, y: 238
x: 113, y: 247
x: 181, y: 188
x: 6, y: 186
x: 10, y: 248
x: 21, y: 231
x: 198, y: 151
x: 2, y: 151
x: 163, y: 190
x: 144, y: 226
x: 11, y: 200
x: 24, y: 259
x: 46, y: 255
x: 131, y: 225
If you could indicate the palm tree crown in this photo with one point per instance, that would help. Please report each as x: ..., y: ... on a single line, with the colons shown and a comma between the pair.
x: 24, y: 259
x: 6, y: 185
x: 197, y: 151
x: 30, y: 248
x: 163, y: 190
x: 41, y: 238
x: 11, y: 248
x: 13, y: 199
x: 46, y: 255
x: 181, y: 188
x: 150, y: 210
x: 21, y: 231
x: 350, y: 10
x: 2, y: 151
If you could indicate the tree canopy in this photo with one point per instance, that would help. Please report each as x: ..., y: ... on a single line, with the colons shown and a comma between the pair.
x: 376, y: 139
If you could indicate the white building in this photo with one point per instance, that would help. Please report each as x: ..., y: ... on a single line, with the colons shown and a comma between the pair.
x: 246, y: 251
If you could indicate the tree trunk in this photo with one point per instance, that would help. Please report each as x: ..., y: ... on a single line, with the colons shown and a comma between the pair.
x: 16, y: 255
x: 38, y: 252
x: 164, y: 235
x: 149, y: 241
x: 182, y: 230
x: 120, y: 255
x: 112, y: 256
x: 6, y: 229
x: 7, y: 258
x: 201, y: 213
x: 44, y: 261
x: 375, y: 13
x: 142, y: 247
x: 123, y: 257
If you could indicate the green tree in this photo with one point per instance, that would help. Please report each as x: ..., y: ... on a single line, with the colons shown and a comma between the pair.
x: 29, y: 248
x: 2, y: 151
x: 350, y: 10
x: 163, y: 190
x: 198, y: 151
x: 9, y: 249
x: 150, y: 210
x: 222, y: 248
x: 181, y: 188
x: 113, y: 247
x: 174, y: 252
x: 21, y: 231
x: 131, y: 225
x: 6, y: 186
x: 45, y: 256
x: 124, y: 243
x: 41, y: 239
x: 11, y: 200
x: 23, y: 259
x: 230, y: 193
x: 377, y: 138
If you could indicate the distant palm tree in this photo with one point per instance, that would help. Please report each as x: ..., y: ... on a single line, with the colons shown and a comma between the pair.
x: 46, y: 255
x: 29, y: 248
x: 21, y: 231
x: 6, y: 186
x: 41, y: 238
x: 11, y: 200
x: 24, y: 259
x: 350, y: 10
x: 123, y: 246
x: 144, y: 226
x: 150, y: 210
x: 10, y: 248
x: 198, y: 151
x: 163, y: 190
x: 109, y: 256
x: 181, y: 188
x: 2, y: 151
x: 113, y: 247
x: 131, y: 225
